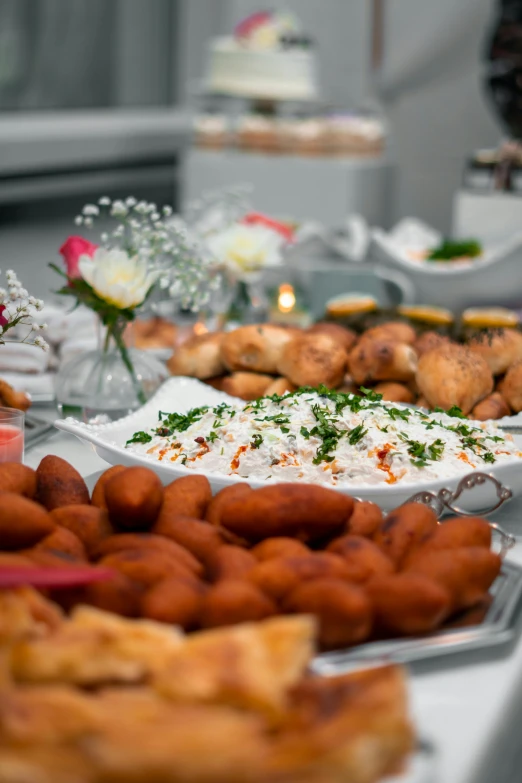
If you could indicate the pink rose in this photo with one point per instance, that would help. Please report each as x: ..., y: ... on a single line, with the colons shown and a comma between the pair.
x: 72, y: 249
x: 3, y: 320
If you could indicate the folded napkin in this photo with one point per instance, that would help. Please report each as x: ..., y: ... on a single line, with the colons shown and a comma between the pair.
x: 20, y: 357
x: 35, y: 385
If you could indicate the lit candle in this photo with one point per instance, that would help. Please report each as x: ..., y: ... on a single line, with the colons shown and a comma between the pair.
x: 11, y: 435
x: 286, y: 298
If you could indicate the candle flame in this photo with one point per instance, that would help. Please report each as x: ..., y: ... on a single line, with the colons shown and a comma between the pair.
x: 286, y: 298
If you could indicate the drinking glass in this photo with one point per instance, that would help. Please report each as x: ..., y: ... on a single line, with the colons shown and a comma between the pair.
x: 11, y: 435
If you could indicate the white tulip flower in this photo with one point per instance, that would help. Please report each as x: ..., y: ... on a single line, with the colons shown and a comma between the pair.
x: 117, y: 278
x: 246, y: 249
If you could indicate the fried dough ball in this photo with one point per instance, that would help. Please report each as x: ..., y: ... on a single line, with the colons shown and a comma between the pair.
x: 147, y: 566
x: 230, y: 602
x: 467, y: 574
x: 427, y: 341
x: 98, y: 493
x: 404, y: 529
x: 500, y: 348
x: 199, y: 357
x: 134, y: 497
x: 18, y: 478
x: 188, y: 496
x: 492, y: 407
x: 279, y: 575
x: 393, y: 392
x: 398, y: 331
x: 222, y: 498
x: 345, y: 337
x: 455, y: 533
x: 89, y: 523
x: 408, y: 603
x: 199, y: 538
x: 59, y: 484
x: 512, y: 387
x: 217, y: 382
x: 10, y: 398
x: 365, y: 518
x: 313, y: 359
x: 148, y: 541
x: 51, y: 558
x: 343, y: 610
x: 63, y: 540
x: 246, y: 385
x: 279, y: 386
x: 381, y: 359
x: 230, y: 562
x: 279, y: 547
x: 23, y: 523
x: 307, y: 512
x: 120, y: 594
x: 363, y: 559
x: 14, y: 559
x: 257, y: 348
x: 453, y: 375
x: 175, y: 601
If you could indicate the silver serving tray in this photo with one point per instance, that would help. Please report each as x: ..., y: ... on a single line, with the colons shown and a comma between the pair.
x: 497, y: 628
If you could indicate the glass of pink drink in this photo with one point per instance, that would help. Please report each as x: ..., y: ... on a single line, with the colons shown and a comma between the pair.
x: 11, y: 435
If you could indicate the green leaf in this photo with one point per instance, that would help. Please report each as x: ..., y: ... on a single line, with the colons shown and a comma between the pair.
x: 140, y: 437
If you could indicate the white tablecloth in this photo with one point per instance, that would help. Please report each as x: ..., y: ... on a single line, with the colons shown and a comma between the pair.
x: 469, y: 705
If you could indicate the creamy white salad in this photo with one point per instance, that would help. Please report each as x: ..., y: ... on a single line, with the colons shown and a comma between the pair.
x: 328, y: 437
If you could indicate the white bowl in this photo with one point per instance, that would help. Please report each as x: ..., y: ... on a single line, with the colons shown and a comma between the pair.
x: 182, y: 394
x: 488, y: 280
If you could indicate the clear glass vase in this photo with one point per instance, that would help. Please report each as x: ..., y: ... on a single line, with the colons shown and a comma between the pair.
x: 109, y: 382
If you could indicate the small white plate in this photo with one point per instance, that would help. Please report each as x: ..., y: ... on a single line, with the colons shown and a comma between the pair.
x: 182, y: 394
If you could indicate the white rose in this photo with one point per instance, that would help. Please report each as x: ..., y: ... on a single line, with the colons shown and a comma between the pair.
x: 246, y: 249
x: 121, y: 280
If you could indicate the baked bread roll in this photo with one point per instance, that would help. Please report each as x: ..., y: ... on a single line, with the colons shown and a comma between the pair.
x: 393, y: 392
x: 345, y: 337
x: 256, y: 348
x: 454, y: 375
x: 492, y: 407
x: 499, y: 347
x: 381, y: 359
x: 393, y: 330
x: 199, y: 357
x: 10, y: 398
x: 512, y: 387
x: 246, y: 385
x: 428, y: 341
x: 279, y: 386
x: 313, y: 359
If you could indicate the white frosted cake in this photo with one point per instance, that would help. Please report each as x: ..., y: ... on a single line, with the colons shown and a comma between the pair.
x: 267, y: 57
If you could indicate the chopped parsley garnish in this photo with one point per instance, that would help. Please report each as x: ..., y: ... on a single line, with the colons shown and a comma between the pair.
x: 357, y: 434
x: 140, y: 437
x: 488, y: 457
x: 180, y: 422
x: 398, y: 413
x: 305, y: 433
x: 256, y: 441
x: 421, y: 453
x: 212, y: 436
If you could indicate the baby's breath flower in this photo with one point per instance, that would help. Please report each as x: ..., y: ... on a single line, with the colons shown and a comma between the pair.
x: 104, y: 201
x: 78, y: 220
x: 88, y: 222
x: 119, y: 209
x: 131, y: 202
x: 40, y: 342
x: 91, y: 210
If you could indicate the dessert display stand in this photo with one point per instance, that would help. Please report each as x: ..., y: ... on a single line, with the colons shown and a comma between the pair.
x: 326, y: 189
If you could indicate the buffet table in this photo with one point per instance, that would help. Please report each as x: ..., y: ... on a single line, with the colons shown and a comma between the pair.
x: 468, y: 706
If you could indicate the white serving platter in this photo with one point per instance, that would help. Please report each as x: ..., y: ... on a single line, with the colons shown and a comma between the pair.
x: 181, y: 394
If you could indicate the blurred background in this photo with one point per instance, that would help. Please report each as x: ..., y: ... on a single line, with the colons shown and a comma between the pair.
x: 98, y: 96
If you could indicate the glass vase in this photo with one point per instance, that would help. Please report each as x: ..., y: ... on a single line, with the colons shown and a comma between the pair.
x: 109, y: 382
x: 250, y: 303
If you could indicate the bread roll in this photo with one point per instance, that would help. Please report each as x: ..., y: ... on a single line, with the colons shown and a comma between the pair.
x: 454, y: 375
x: 381, y: 360
x: 313, y: 359
x: 393, y: 392
x: 428, y: 341
x: 512, y: 387
x: 393, y: 330
x: 246, y: 385
x: 279, y: 386
x: 345, y: 337
x: 492, y: 407
x: 499, y: 347
x: 199, y: 357
x: 256, y: 348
